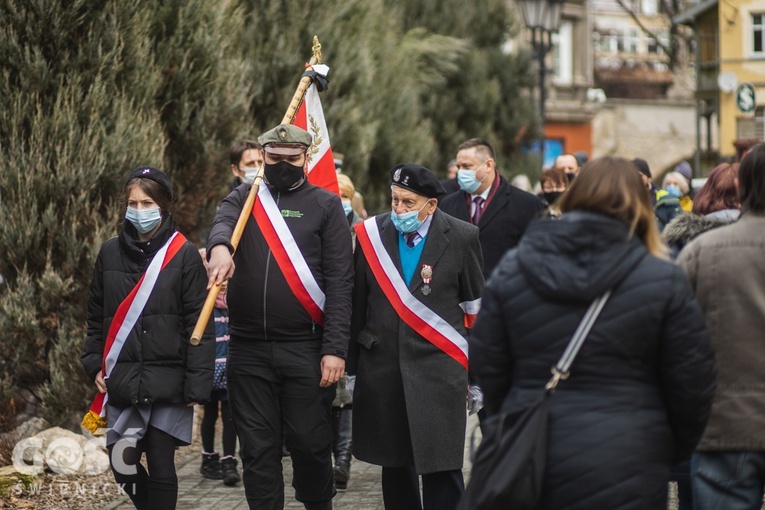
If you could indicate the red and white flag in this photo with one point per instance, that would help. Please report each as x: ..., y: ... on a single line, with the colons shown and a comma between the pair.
x: 310, y: 116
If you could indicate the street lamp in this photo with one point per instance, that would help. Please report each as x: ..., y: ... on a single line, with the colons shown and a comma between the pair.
x: 542, y: 18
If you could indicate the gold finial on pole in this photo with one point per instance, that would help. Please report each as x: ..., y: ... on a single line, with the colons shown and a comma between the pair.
x: 316, y: 49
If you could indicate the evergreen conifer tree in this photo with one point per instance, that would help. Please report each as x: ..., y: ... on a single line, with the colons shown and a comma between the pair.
x: 409, y: 81
x: 88, y: 91
x: 69, y: 133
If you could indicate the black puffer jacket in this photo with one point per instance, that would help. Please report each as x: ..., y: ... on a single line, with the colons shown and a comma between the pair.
x: 157, y: 363
x: 640, y: 390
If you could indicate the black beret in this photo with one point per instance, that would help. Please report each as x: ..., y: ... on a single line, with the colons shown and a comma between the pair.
x: 418, y: 179
x: 154, y: 174
x: 642, y: 166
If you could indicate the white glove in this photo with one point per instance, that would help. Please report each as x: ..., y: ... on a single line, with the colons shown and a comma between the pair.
x: 474, y: 399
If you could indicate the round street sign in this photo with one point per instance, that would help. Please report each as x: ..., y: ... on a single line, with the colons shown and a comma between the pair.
x: 745, y: 98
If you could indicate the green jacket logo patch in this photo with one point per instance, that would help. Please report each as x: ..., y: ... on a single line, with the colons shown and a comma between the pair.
x: 286, y: 213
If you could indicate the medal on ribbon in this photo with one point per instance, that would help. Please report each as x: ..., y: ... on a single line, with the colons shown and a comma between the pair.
x: 426, y: 274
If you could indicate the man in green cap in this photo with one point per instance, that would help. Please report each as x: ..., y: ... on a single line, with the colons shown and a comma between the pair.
x: 289, y: 302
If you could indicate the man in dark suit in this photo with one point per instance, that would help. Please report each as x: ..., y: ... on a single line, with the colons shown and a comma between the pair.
x: 486, y: 199
x: 417, y: 284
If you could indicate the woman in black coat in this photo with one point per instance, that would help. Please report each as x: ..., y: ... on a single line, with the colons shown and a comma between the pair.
x: 640, y: 390
x: 147, y: 291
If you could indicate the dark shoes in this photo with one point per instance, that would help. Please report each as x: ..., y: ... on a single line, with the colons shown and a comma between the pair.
x: 343, y: 447
x: 228, y: 469
x: 211, y: 467
x: 216, y: 469
x: 342, y: 472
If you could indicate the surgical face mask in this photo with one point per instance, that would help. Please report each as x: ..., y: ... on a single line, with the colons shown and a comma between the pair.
x: 347, y: 207
x: 673, y: 190
x: 250, y: 174
x: 144, y: 220
x: 467, y: 180
x: 407, y: 222
x: 284, y: 176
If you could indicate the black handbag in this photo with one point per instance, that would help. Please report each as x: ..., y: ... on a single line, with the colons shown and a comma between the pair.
x: 509, y: 465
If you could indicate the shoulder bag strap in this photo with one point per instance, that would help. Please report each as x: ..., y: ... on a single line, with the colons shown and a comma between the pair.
x: 561, y: 369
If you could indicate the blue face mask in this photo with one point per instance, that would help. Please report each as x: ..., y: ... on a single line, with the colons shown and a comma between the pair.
x: 407, y: 222
x: 467, y: 180
x: 673, y: 190
x: 347, y: 207
x: 144, y: 220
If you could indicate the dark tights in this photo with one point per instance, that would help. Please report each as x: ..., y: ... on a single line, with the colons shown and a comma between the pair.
x: 208, y: 428
x: 157, y: 489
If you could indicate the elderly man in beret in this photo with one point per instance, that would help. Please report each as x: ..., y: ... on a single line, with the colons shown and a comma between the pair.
x: 289, y: 305
x: 417, y: 286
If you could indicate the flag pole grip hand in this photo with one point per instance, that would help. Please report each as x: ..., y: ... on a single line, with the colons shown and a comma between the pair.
x: 236, y: 236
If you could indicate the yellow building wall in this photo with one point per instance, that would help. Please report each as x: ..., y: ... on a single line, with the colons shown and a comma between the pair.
x: 735, y: 47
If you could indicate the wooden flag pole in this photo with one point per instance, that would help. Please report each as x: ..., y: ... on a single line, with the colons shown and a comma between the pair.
x: 289, y: 116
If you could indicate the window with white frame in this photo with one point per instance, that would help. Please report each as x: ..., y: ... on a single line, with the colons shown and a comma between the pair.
x: 649, y: 7
x: 563, y: 62
x: 651, y: 45
x: 631, y: 40
x: 664, y: 39
x: 757, y: 34
x: 609, y: 42
x: 597, y: 41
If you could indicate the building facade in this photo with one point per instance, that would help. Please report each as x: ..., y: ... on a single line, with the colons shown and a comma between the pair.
x: 730, y: 57
x: 571, y: 105
x: 642, y: 63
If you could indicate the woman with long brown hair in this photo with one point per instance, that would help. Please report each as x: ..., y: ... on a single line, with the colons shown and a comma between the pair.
x: 640, y: 389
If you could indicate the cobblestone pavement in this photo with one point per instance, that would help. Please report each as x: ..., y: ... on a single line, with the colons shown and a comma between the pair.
x: 197, y: 493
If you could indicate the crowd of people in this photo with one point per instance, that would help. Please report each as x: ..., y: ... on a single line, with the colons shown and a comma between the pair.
x: 336, y: 335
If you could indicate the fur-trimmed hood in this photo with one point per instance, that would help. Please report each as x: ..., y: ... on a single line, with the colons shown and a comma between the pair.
x: 686, y: 227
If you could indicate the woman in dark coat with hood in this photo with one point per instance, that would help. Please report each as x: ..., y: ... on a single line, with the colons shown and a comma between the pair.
x: 640, y: 390
x: 147, y: 291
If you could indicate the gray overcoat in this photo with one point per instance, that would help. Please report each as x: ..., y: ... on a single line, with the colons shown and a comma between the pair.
x: 726, y: 268
x: 409, y: 400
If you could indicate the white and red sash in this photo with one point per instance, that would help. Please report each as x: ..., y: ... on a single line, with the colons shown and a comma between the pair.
x: 287, y: 255
x: 130, y: 310
x: 471, y: 309
x: 411, y: 310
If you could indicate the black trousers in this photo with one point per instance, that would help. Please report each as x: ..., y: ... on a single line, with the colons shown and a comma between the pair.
x: 273, y: 388
x: 440, y: 491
